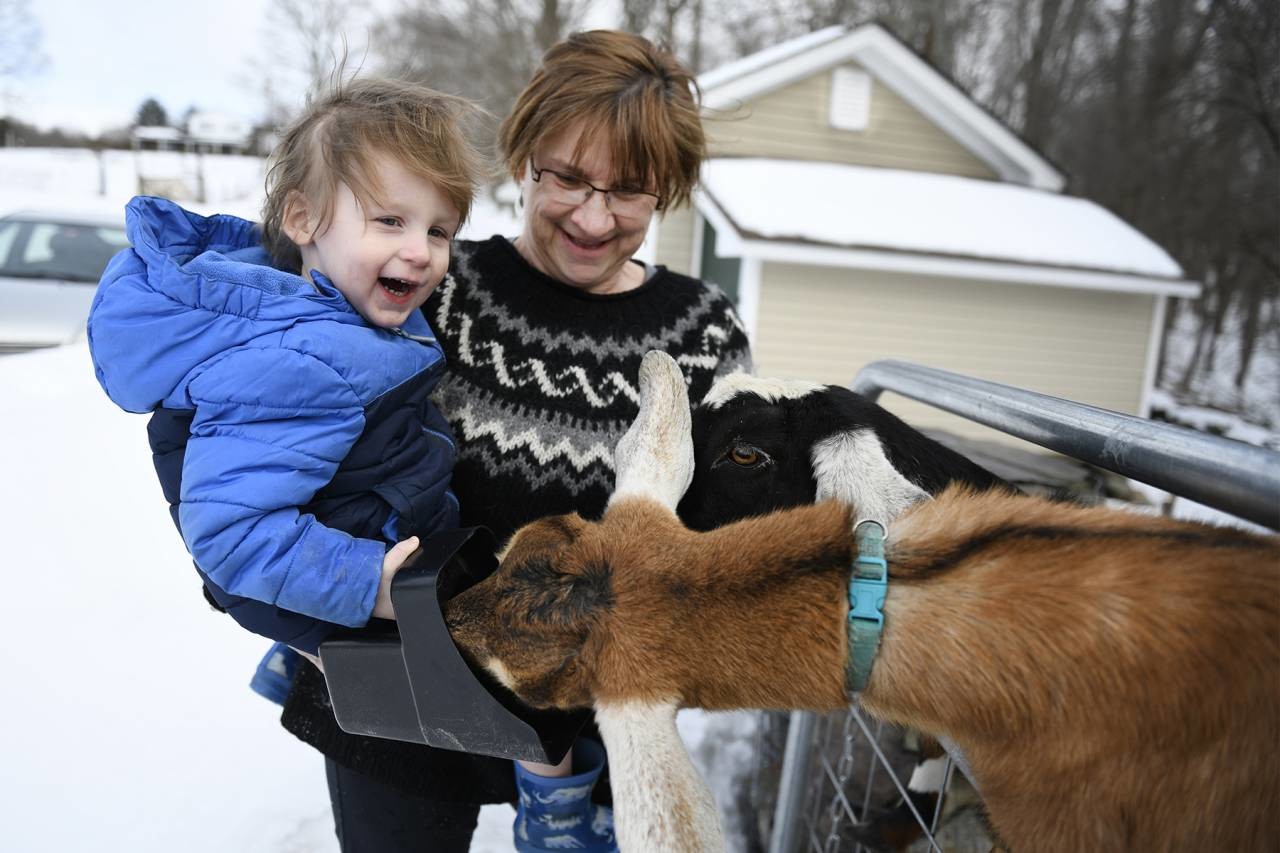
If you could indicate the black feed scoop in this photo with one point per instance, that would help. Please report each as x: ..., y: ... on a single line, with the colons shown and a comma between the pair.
x: 416, y: 686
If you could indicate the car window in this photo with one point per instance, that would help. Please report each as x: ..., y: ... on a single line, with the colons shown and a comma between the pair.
x: 8, y: 234
x: 60, y: 250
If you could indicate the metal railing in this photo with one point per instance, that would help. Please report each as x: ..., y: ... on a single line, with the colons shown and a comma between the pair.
x: 1227, y: 475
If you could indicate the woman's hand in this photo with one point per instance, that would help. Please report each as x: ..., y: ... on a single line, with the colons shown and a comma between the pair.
x: 391, y: 564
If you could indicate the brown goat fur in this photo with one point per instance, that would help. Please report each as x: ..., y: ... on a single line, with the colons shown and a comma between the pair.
x: 1113, y: 679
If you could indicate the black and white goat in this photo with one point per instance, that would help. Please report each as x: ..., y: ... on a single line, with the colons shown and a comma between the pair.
x: 766, y: 444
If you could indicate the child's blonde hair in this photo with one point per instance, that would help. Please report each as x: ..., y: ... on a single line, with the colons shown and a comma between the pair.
x: 337, y: 136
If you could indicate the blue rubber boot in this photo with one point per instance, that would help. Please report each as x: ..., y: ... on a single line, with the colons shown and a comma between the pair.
x: 274, y: 675
x: 557, y: 813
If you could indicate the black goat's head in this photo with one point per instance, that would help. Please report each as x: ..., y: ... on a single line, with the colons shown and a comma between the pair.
x: 765, y: 444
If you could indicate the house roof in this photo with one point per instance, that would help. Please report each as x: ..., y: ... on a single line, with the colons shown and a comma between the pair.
x: 897, y: 67
x: 157, y: 133
x: 855, y: 216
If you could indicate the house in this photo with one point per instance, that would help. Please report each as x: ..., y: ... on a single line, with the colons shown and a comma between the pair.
x: 156, y: 138
x: 859, y: 206
x: 218, y: 133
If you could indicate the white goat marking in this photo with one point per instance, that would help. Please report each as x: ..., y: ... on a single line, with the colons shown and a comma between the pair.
x: 851, y: 467
x: 929, y: 776
x: 731, y: 385
x: 655, y: 457
x: 661, y: 804
x: 499, y: 671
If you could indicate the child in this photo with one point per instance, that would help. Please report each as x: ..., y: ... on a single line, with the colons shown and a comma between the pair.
x: 289, y: 371
x: 289, y: 368
x: 293, y: 433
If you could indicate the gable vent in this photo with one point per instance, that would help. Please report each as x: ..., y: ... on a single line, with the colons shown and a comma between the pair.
x: 850, y: 99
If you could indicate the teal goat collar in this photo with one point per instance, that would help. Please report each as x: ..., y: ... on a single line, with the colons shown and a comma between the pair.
x: 868, y: 583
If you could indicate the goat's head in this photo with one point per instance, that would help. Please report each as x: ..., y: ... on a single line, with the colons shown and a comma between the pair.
x: 767, y: 444
x: 534, y: 622
x: 527, y: 623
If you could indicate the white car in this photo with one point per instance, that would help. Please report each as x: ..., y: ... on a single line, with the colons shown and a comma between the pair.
x: 50, y: 262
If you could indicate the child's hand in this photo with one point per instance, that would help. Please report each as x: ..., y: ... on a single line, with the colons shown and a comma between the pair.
x: 390, y: 565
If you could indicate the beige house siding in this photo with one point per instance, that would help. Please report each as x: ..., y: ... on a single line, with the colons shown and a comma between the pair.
x: 792, y: 123
x: 825, y: 324
x: 675, y: 240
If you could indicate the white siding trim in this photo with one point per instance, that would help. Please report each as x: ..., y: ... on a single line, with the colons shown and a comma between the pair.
x: 918, y: 84
x: 648, y: 251
x: 728, y: 242
x: 1149, y: 377
x: 1012, y: 273
x: 748, y: 294
x: 709, y: 80
x: 695, y: 262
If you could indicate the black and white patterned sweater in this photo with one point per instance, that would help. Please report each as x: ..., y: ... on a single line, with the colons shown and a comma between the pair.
x: 542, y: 377
x: 540, y: 385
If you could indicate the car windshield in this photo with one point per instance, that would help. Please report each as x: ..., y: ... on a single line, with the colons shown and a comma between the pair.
x: 31, y: 248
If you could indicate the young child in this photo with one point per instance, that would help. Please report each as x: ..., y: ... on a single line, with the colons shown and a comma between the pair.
x: 288, y: 369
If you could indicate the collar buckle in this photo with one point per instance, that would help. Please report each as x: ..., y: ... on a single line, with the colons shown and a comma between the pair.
x: 868, y: 585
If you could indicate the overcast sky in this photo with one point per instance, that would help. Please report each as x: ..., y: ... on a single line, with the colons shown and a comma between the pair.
x: 105, y: 58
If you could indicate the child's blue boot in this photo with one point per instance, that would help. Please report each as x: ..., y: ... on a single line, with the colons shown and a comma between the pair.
x: 274, y: 675
x: 556, y: 813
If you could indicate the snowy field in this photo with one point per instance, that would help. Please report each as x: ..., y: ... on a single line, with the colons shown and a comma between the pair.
x: 127, y: 723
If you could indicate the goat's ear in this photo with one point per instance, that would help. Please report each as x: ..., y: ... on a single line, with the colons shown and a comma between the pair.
x: 655, y: 457
x: 852, y: 467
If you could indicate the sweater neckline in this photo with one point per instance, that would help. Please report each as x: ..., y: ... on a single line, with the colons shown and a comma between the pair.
x: 554, y: 284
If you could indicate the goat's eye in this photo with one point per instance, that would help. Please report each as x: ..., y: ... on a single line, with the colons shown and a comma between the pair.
x: 744, y: 454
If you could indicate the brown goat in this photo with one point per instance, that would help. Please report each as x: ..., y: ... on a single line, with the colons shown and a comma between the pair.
x: 1135, y: 659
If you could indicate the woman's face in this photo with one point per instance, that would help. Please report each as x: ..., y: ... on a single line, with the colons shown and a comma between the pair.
x: 586, y: 245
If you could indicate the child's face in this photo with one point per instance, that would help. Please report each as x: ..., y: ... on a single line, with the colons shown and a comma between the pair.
x: 385, y: 256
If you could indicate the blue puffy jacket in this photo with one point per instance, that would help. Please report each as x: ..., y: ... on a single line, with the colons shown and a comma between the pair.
x: 293, y: 440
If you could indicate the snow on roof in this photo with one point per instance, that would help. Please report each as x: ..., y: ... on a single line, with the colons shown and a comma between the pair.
x: 157, y: 133
x: 218, y: 129
x: 856, y: 207
x: 768, y: 56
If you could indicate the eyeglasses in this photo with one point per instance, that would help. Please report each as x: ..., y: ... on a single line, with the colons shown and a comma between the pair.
x: 571, y: 190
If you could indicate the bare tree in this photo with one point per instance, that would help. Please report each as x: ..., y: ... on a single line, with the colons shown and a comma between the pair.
x: 20, y: 38
x: 483, y: 49
x: 310, y: 45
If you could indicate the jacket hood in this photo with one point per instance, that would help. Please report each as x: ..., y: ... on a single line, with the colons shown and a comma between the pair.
x: 192, y: 287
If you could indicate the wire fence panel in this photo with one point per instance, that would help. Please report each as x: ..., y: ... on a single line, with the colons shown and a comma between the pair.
x: 856, y: 772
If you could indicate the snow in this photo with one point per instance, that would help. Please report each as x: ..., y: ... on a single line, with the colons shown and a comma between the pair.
x: 860, y: 207
x: 767, y: 58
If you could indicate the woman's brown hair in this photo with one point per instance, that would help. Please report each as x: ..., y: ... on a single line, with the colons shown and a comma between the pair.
x: 337, y: 136
x: 625, y: 90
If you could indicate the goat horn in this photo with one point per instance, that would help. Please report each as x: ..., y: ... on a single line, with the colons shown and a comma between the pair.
x: 655, y: 457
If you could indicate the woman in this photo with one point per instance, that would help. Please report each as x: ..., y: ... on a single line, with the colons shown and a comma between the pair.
x: 544, y: 337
